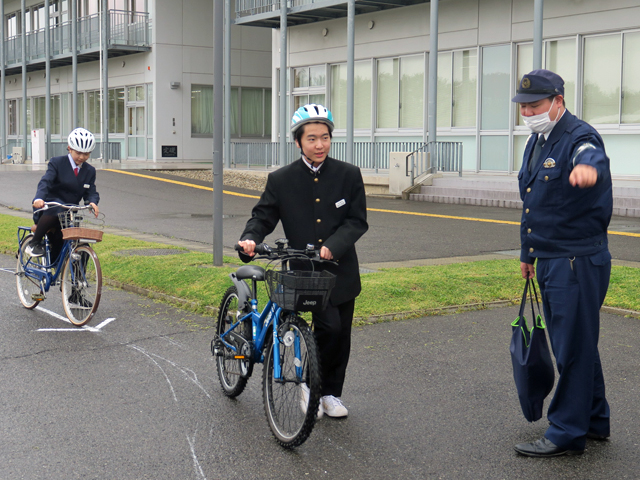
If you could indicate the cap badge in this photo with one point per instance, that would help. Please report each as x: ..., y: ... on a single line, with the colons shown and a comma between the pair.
x: 549, y: 163
x: 526, y: 83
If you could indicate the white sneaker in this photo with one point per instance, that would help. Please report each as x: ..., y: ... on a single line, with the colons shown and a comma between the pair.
x: 304, y: 401
x: 333, y: 406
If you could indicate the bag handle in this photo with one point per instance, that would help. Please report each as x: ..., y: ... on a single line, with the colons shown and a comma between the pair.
x: 537, y: 319
x: 523, y: 304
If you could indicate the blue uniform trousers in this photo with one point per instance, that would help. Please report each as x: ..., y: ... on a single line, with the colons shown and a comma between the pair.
x: 572, y: 294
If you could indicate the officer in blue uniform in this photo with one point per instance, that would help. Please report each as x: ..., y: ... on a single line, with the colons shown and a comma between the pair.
x: 565, y: 185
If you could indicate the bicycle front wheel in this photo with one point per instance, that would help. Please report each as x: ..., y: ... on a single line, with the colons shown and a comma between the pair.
x: 81, y: 285
x: 291, y: 400
x: 29, y: 290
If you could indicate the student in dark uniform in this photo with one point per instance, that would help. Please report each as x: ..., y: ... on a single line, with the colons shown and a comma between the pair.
x: 565, y: 184
x: 68, y: 180
x: 320, y: 201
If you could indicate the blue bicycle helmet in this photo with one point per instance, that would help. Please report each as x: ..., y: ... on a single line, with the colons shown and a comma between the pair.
x: 311, y: 113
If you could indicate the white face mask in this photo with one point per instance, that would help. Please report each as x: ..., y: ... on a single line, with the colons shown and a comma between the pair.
x: 541, y: 123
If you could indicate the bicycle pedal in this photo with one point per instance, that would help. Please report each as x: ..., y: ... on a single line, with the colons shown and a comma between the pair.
x: 37, y: 297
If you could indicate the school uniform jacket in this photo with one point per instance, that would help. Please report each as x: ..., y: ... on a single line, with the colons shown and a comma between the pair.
x: 558, y: 219
x: 60, y: 184
x: 323, y: 208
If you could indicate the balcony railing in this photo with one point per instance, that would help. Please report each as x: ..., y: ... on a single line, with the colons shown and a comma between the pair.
x: 124, y: 29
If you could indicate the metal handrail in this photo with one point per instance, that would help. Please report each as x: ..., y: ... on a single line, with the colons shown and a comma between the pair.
x: 440, y: 157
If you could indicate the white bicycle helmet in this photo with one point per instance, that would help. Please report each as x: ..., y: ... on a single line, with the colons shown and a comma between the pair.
x: 311, y: 113
x: 81, y: 140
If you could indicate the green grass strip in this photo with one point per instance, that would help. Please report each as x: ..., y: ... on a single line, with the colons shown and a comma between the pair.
x: 404, y: 292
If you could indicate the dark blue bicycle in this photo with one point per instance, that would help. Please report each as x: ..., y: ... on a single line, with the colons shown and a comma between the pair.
x: 77, y: 268
x: 276, y: 336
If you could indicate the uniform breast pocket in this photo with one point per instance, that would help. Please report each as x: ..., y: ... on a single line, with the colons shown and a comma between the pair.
x: 550, y: 182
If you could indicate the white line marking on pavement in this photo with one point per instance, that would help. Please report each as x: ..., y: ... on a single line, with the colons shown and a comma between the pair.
x: 84, y: 328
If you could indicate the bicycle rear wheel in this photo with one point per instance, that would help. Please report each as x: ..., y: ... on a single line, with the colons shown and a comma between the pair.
x: 291, y: 412
x: 81, y: 285
x: 233, y: 372
x: 27, y: 287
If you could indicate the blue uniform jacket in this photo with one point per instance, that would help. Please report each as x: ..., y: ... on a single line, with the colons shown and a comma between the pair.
x: 559, y: 220
x: 60, y: 184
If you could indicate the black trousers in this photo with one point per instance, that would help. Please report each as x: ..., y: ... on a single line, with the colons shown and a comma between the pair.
x: 49, y: 225
x: 332, y: 329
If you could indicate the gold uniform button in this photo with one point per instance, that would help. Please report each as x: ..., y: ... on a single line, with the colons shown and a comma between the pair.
x: 546, y: 178
x: 528, y: 230
x: 318, y: 220
x: 531, y: 250
x: 315, y: 180
x: 319, y: 240
x: 526, y: 211
x: 317, y: 200
x: 528, y: 189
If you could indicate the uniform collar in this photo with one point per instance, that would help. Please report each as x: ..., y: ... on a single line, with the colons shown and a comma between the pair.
x: 311, y: 167
x: 73, y: 164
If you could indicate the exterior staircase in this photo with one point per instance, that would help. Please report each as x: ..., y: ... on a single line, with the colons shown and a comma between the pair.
x: 502, y: 191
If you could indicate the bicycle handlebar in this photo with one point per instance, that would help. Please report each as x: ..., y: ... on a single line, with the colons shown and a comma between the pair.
x: 48, y: 205
x: 265, y: 251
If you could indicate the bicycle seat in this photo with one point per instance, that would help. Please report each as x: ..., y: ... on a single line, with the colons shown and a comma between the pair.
x: 250, y: 271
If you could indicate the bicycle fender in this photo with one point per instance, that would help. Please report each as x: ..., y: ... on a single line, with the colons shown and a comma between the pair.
x: 244, y: 292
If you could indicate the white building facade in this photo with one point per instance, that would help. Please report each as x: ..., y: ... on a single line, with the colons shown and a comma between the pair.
x: 160, y: 76
x: 485, y: 46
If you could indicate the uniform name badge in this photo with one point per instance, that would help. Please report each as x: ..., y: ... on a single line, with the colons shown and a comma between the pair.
x: 86, y: 185
x: 341, y: 203
x: 549, y: 163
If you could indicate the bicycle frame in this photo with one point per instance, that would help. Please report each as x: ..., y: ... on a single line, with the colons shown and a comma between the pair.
x: 261, y: 322
x: 42, y: 273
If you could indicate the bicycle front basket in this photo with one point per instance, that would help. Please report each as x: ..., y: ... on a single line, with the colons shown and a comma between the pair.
x: 300, y: 291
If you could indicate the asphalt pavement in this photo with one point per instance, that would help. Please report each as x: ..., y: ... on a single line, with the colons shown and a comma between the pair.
x: 136, y: 395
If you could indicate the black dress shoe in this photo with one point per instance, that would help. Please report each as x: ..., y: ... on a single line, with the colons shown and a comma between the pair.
x: 544, y: 447
x: 595, y: 436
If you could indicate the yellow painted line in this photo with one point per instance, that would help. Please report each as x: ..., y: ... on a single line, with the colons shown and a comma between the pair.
x: 472, y: 219
x: 450, y: 217
x: 398, y: 212
x: 176, y: 182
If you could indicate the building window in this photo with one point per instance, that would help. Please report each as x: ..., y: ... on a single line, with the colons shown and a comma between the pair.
x: 116, y: 110
x: 250, y: 111
x: 630, y: 76
x: 13, y: 117
x: 309, y: 85
x: 202, y: 110
x: 94, y: 111
x: 361, y: 95
x: 400, y: 94
x: 496, y: 80
x: 39, y: 113
x: 457, y: 85
x: 602, y: 77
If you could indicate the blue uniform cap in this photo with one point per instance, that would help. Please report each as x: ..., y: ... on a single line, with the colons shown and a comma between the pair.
x: 537, y: 85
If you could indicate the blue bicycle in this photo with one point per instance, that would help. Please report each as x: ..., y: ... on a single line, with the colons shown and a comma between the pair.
x: 276, y: 336
x: 77, y: 268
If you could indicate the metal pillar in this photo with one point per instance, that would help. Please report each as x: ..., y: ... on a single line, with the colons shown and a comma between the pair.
x: 351, y: 36
x: 74, y: 65
x: 284, y: 114
x: 433, y: 73
x: 105, y: 81
x: 218, y: 78
x: 537, y: 33
x: 3, y: 89
x: 23, y: 41
x: 47, y: 74
x: 227, y: 83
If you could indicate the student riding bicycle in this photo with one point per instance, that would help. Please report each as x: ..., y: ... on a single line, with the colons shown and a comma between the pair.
x: 68, y: 180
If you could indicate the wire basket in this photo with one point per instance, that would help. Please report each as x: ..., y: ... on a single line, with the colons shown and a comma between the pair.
x: 81, y: 225
x: 300, y: 291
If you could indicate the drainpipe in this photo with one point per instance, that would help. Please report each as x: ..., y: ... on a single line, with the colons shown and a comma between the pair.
x: 537, y: 33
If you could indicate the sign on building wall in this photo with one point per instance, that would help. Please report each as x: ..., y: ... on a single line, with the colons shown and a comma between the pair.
x: 170, y: 151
